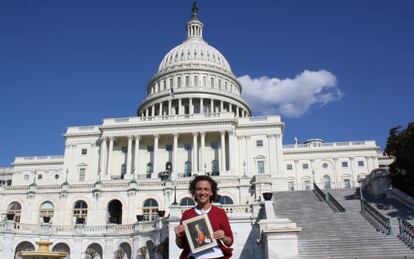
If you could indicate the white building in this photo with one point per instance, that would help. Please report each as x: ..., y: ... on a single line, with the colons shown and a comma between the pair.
x: 193, y: 121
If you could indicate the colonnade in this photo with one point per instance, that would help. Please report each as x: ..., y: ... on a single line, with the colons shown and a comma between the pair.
x: 181, y: 106
x: 198, y: 153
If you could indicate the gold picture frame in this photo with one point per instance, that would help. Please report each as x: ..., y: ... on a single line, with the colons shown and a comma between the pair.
x: 199, y: 233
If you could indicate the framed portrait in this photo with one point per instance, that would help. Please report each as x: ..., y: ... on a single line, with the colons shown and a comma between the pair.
x: 199, y: 233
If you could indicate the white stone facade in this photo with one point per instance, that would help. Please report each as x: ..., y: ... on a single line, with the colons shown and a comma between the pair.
x: 193, y: 121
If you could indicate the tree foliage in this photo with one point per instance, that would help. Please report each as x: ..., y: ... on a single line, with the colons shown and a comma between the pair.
x: 400, y: 144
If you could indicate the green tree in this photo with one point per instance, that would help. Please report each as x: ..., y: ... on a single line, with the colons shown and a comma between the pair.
x: 400, y: 144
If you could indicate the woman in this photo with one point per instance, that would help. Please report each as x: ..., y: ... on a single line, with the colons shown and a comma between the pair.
x: 204, y: 191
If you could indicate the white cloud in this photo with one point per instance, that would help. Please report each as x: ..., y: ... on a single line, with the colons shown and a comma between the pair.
x: 290, y: 97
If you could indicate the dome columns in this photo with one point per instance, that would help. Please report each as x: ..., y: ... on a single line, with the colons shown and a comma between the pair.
x: 190, y: 106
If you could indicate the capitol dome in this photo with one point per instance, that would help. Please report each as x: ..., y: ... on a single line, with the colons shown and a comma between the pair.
x: 192, y: 78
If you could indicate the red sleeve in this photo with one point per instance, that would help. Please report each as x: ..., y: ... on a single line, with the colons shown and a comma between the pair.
x: 225, y: 226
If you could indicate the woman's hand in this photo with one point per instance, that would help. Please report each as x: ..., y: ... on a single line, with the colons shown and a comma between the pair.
x: 219, y: 234
x: 179, y: 230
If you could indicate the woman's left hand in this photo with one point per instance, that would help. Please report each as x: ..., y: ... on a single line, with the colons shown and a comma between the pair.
x: 219, y: 234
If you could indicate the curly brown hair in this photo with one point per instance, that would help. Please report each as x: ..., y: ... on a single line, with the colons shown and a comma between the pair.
x: 198, y: 178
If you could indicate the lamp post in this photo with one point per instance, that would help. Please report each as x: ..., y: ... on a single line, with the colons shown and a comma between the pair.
x: 360, y: 181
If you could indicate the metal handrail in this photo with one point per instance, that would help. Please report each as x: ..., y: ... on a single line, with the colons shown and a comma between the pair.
x: 334, y: 204
x: 318, y: 192
x: 373, y: 216
x: 406, y: 232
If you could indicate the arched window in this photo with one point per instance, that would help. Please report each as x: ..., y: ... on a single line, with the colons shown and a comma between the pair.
x: 187, y: 168
x: 46, y: 210
x: 187, y: 81
x: 212, y: 82
x: 204, y: 81
x: 94, y: 251
x: 215, y: 167
x: 326, y: 182
x: 23, y: 246
x: 149, y: 170
x: 62, y: 248
x: 80, y: 212
x: 115, y: 212
x: 16, y: 209
x: 226, y: 200
x: 195, y: 81
x: 187, y: 202
x: 150, y: 209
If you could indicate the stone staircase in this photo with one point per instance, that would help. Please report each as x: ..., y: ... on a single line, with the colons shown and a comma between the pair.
x: 326, y: 234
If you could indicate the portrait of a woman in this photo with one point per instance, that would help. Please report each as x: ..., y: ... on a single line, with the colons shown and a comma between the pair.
x: 204, y: 190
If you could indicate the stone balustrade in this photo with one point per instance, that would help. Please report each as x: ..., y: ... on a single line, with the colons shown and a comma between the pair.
x: 369, y: 143
x: 31, y: 159
x: 22, y: 228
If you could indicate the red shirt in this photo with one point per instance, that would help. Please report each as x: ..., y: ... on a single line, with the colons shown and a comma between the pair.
x: 219, y: 221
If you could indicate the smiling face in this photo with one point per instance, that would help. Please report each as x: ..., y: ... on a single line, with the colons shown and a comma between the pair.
x: 203, y: 193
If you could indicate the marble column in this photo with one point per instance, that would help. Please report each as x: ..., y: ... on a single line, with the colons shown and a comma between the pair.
x: 160, y: 109
x: 155, y: 157
x: 137, y: 139
x: 248, y: 162
x: 129, y: 156
x: 221, y: 106
x: 223, y: 151
x: 237, y: 111
x: 174, y: 154
x: 153, y: 110
x: 170, y: 107
x: 180, y: 111
x: 202, y: 152
x: 194, y: 159
x: 233, y: 154
x: 351, y: 160
x: 111, y: 147
x: 104, y: 143
x: 212, y: 106
x: 191, y: 106
x: 201, y: 105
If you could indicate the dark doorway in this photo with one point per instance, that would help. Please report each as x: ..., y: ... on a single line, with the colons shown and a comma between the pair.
x: 115, y: 212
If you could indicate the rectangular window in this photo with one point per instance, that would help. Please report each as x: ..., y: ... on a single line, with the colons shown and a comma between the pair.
x: 39, y: 176
x: 305, y: 166
x: 360, y: 163
x: 82, y: 172
x: 124, y: 150
x: 260, y: 167
x: 214, y: 145
x: 150, y: 148
x: 259, y: 143
x: 289, y: 167
x: 344, y: 164
x: 84, y: 151
x: 26, y: 177
x: 168, y: 147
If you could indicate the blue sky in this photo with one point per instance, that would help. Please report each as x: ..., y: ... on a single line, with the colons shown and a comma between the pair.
x: 69, y: 63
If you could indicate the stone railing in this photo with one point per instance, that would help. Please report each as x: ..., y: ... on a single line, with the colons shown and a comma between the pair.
x: 318, y: 192
x: 30, y: 159
x: 334, y: 204
x: 158, y: 118
x: 22, y: 228
x: 379, y: 221
x: 331, y: 144
x: 406, y: 232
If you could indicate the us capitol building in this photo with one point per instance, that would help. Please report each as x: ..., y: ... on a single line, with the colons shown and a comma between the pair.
x: 119, y: 188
